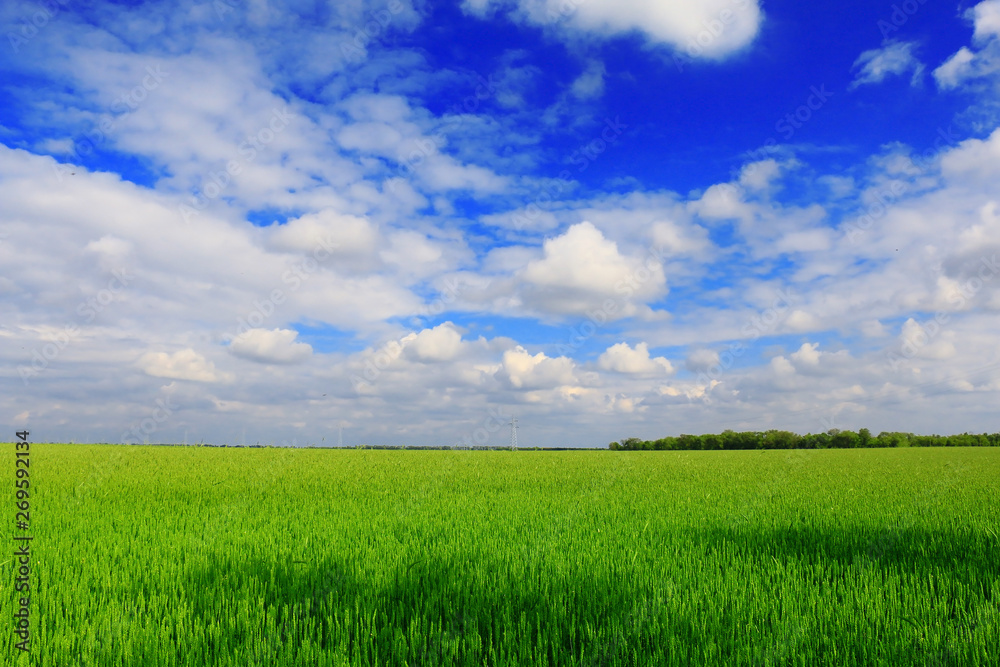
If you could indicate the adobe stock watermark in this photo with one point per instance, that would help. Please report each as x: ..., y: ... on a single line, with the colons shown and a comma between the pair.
x: 30, y: 27
x: 146, y: 427
x: 247, y: 152
x: 453, y: 288
x: 901, y: 13
x: 925, y: 333
x: 550, y: 191
x: 495, y: 420
x: 224, y: 7
x: 300, y: 271
x: 424, y: 148
x: 582, y: 158
x: 379, y: 360
x: 789, y: 124
x: 120, y: 109
x: 894, y: 193
x: 761, y: 324
x: 562, y: 11
x: 624, y: 289
x: 88, y: 310
x: 589, y: 152
x: 712, y: 29
x: 376, y: 363
x: 356, y: 50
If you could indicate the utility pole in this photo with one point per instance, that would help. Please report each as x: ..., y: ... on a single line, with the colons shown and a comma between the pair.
x: 513, y: 432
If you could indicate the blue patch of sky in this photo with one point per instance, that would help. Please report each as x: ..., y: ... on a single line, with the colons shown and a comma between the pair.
x: 270, y: 216
x: 690, y: 126
x: 133, y: 168
x: 325, y: 338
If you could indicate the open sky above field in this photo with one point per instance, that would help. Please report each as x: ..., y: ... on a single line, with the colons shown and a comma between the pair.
x: 263, y: 221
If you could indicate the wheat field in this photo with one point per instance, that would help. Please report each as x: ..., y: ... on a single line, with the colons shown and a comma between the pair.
x: 210, y: 556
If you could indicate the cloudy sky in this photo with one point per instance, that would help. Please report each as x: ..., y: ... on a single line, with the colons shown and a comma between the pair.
x: 406, y: 222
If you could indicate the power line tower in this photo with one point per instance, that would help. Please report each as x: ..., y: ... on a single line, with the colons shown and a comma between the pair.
x: 513, y: 432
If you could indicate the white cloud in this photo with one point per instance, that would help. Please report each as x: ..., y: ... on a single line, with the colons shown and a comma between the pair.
x: 522, y: 370
x: 925, y: 342
x: 807, y: 355
x: 112, y: 252
x: 758, y: 175
x: 621, y: 358
x: 442, y: 343
x: 722, y: 201
x: 701, y: 359
x: 270, y: 346
x: 326, y: 231
x: 414, y: 254
x: 810, y: 240
x: 705, y: 28
x: 591, y: 82
x: 873, y: 329
x: 965, y: 64
x: 892, y: 59
x: 986, y: 18
x: 955, y: 69
x: 974, y: 158
x: 581, y: 269
x: 56, y: 146
x: 800, y: 320
x: 182, y: 365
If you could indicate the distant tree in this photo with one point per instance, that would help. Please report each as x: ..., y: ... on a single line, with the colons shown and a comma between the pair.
x: 632, y: 443
x: 688, y: 442
x: 728, y: 439
x: 775, y: 439
x: 844, y: 440
x: 710, y: 441
x: 820, y: 440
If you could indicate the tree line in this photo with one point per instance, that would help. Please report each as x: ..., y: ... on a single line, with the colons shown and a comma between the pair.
x: 832, y: 439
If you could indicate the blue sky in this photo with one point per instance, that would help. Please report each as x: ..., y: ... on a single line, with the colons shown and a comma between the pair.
x: 606, y: 218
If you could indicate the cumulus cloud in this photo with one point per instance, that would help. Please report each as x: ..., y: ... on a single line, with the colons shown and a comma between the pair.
x: 181, y: 365
x: 621, y: 358
x: 893, y: 58
x: 807, y: 355
x: 581, y: 269
x: 270, y: 346
x: 706, y: 28
x: 442, y: 343
x: 521, y: 370
x: 724, y: 201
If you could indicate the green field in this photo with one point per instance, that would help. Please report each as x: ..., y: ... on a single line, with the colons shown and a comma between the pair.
x: 206, y: 556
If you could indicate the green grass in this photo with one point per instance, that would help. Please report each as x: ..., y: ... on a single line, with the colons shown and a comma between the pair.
x: 204, y: 556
